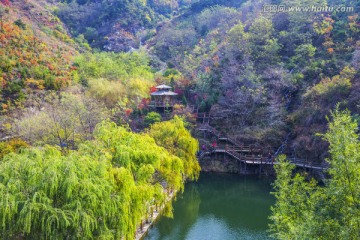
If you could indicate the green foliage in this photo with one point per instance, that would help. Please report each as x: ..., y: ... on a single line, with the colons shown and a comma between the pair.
x: 134, y: 150
x: 294, y: 200
x: 213, y: 17
x: 113, y: 66
x: 20, y: 24
x: 342, y: 189
x: 238, y: 41
x: 101, y: 191
x: 123, y: 78
x: 332, y: 89
x: 80, y: 39
x: 173, y: 136
x: 304, y: 210
x: 53, y: 197
x: 263, y: 45
x: 151, y: 118
x: 303, y: 54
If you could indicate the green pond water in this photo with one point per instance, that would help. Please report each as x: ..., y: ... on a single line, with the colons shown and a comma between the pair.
x: 218, y: 206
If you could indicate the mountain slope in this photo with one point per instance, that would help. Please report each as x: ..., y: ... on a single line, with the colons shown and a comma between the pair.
x: 36, y: 52
x: 268, y: 77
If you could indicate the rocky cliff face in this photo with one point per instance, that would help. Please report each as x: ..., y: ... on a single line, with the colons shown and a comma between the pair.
x: 224, y: 164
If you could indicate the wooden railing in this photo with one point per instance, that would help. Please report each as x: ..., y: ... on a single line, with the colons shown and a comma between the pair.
x: 254, y: 159
x: 163, y: 104
x: 250, y: 154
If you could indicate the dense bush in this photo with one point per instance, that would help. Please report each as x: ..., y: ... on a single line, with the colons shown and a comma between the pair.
x: 152, y: 117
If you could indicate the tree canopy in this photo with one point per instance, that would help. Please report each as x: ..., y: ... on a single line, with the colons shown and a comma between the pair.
x: 305, y: 210
x: 102, y: 190
x: 174, y: 136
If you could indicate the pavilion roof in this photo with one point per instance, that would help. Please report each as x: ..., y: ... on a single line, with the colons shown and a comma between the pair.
x: 163, y: 87
x: 163, y: 93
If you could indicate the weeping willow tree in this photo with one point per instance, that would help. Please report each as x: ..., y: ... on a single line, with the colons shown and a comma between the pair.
x: 174, y: 136
x: 103, y: 190
x: 46, y: 195
x: 140, y: 154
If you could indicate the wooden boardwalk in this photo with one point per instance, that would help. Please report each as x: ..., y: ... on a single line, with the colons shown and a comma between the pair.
x: 260, y: 160
x: 249, y: 154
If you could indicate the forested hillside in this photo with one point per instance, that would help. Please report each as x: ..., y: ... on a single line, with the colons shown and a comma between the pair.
x: 269, y: 78
x: 76, y: 78
x: 35, y: 52
x: 116, y: 25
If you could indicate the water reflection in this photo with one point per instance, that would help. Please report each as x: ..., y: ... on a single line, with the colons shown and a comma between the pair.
x: 218, y: 207
x: 186, y: 208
